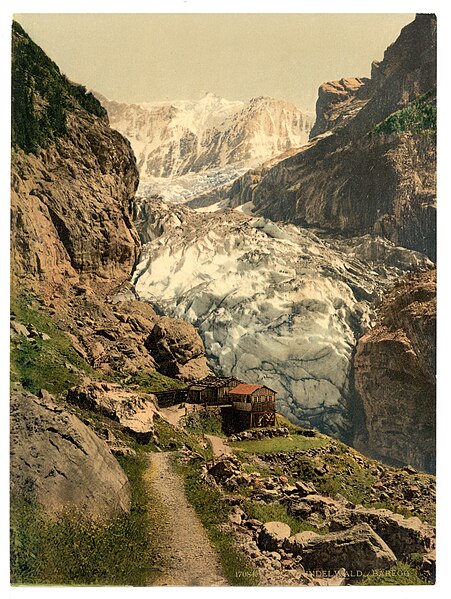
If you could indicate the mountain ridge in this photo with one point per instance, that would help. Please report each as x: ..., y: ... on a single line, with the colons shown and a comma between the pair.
x: 177, y: 140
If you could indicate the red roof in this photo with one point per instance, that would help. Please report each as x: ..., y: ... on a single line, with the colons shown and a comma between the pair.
x: 245, y: 389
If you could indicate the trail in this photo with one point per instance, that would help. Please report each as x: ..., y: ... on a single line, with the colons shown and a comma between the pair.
x: 189, y: 559
x: 218, y: 446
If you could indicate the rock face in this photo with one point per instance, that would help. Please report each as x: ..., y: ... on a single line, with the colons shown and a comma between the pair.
x: 352, y: 179
x: 71, y: 200
x: 338, y: 102
x: 274, y: 304
x: 192, y: 145
x: 135, y: 412
x: 72, y: 235
x: 395, y: 376
x: 61, y: 464
x: 358, y: 548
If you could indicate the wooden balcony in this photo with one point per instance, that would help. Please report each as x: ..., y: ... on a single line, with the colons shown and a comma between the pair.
x: 256, y: 406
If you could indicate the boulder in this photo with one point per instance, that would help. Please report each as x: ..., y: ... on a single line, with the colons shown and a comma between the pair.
x: 19, y: 329
x: 60, y: 464
x: 134, y: 411
x: 297, y: 542
x: 305, y: 488
x: 315, y: 504
x: 273, y: 535
x: 224, y: 469
x: 178, y: 349
x: 356, y: 549
x: 236, y: 515
x: 403, y: 535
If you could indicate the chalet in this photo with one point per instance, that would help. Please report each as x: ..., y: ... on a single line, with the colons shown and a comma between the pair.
x: 242, y: 405
x: 254, y: 405
x: 212, y: 390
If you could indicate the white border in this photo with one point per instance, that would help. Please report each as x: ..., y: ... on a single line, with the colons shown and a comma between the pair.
x: 444, y: 415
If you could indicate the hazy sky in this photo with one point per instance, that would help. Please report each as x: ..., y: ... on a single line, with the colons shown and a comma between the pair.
x: 154, y: 57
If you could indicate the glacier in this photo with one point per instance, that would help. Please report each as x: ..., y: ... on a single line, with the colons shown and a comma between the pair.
x: 274, y: 303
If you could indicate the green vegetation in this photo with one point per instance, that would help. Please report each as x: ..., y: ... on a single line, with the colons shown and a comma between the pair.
x: 270, y: 512
x: 213, y: 511
x: 71, y: 551
x: 41, y: 96
x: 401, y: 574
x: 38, y: 363
x: 280, y: 444
x: 420, y: 116
x: 208, y: 421
x: 148, y: 382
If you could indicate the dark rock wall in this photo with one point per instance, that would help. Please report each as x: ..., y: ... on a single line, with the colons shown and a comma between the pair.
x: 395, y: 376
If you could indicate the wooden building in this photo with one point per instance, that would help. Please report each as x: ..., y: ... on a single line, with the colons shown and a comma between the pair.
x: 254, y: 405
x: 212, y: 390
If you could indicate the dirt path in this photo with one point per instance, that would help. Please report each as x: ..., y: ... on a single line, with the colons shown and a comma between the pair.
x: 189, y: 559
x: 218, y: 446
x: 173, y: 414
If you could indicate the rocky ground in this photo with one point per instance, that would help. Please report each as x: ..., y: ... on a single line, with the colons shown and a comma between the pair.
x: 324, y: 538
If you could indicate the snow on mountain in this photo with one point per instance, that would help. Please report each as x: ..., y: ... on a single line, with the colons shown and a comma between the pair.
x: 187, y: 147
x: 275, y: 304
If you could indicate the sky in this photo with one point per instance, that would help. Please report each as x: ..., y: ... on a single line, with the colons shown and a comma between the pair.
x: 137, y: 58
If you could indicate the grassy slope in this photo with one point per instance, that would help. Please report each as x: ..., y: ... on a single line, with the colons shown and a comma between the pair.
x: 79, y: 553
x: 68, y: 551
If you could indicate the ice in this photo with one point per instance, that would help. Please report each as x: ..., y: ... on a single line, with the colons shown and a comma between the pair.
x: 266, y: 314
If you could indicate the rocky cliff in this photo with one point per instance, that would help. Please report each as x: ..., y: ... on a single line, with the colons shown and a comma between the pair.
x: 73, y: 249
x: 72, y: 235
x: 372, y: 169
x: 395, y: 376
x: 72, y: 183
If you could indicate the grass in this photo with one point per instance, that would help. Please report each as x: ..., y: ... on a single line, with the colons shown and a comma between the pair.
x: 280, y: 444
x: 401, y: 574
x: 213, y: 511
x: 148, y: 382
x: 73, y: 552
x: 37, y: 364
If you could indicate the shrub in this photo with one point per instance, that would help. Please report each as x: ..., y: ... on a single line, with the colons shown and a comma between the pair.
x: 420, y: 116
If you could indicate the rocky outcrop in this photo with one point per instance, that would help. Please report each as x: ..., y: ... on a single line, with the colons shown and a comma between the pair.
x: 394, y: 375
x: 403, y: 535
x: 352, y: 179
x: 338, y: 102
x: 134, y: 411
x: 358, y: 548
x: 178, y: 349
x: 59, y: 463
